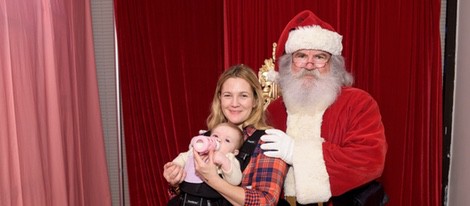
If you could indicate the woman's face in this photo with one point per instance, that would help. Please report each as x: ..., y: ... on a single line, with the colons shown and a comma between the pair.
x: 236, y: 100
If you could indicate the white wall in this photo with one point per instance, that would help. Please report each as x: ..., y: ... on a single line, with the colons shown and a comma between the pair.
x: 459, y: 184
x: 104, y: 45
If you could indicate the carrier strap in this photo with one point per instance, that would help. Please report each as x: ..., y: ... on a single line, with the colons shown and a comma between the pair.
x: 248, y: 148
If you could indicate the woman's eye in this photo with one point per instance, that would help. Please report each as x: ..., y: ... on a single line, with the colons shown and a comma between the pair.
x: 245, y: 95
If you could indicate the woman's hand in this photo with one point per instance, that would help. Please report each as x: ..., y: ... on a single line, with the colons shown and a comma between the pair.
x: 173, y: 173
x: 205, y: 167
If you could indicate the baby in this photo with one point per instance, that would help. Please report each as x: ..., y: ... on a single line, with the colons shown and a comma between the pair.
x: 225, y: 139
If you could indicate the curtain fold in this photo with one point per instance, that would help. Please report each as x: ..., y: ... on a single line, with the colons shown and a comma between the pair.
x: 51, y: 142
x: 391, y: 47
x: 170, y: 55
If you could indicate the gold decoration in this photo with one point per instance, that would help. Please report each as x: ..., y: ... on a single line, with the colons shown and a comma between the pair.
x: 271, y: 90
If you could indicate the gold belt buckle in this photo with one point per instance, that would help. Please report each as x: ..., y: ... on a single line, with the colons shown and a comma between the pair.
x: 291, y: 200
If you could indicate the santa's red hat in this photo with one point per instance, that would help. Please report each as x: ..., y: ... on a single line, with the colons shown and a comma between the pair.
x: 307, y: 31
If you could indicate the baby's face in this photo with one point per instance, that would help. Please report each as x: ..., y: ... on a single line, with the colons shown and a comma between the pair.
x: 228, y: 138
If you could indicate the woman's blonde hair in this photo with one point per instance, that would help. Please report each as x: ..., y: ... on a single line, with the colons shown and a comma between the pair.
x: 257, y: 117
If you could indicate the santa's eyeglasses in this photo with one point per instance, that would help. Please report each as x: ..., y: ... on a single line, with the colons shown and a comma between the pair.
x: 319, y: 60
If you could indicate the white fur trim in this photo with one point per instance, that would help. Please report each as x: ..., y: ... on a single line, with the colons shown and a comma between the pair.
x: 308, y: 179
x: 272, y: 75
x: 314, y: 37
x: 289, y: 183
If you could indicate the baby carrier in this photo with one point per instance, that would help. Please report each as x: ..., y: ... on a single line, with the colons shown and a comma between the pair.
x: 201, y: 194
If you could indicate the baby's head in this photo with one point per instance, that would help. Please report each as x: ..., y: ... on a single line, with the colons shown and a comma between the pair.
x: 230, y: 137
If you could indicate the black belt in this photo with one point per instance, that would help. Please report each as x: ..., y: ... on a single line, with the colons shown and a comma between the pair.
x: 186, y: 199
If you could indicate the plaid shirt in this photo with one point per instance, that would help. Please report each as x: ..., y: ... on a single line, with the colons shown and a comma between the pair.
x: 263, y: 177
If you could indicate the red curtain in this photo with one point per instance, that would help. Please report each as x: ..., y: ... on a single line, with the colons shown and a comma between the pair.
x: 170, y: 55
x: 391, y: 47
x: 51, y: 143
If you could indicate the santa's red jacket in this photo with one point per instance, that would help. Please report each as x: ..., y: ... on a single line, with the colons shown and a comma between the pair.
x: 336, y: 149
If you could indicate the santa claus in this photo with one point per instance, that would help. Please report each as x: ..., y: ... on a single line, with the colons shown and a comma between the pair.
x: 330, y: 133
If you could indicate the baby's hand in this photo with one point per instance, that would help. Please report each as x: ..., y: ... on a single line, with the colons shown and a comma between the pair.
x: 222, y: 161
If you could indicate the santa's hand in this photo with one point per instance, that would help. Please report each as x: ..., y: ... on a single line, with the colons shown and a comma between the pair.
x: 278, y: 144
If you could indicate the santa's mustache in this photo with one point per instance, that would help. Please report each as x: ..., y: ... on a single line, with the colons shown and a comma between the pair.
x: 314, y: 73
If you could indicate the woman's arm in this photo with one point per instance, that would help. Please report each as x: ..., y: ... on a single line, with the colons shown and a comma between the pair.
x: 263, y: 177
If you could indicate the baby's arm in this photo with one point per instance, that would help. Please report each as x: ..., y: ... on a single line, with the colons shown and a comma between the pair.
x: 181, y: 159
x: 230, y: 167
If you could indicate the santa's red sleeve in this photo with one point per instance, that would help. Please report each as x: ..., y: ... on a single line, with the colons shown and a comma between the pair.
x: 355, y: 146
x: 351, y: 146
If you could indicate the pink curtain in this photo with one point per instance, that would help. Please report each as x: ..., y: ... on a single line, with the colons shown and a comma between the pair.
x: 171, y: 54
x: 51, y: 142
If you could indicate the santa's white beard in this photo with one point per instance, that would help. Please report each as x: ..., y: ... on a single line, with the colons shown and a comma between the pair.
x: 308, y: 95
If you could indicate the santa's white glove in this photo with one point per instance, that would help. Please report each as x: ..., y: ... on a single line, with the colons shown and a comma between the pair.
x: 278, y: 144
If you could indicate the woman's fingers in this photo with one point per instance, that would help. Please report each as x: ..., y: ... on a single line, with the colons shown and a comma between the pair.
x: 173, y: 173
